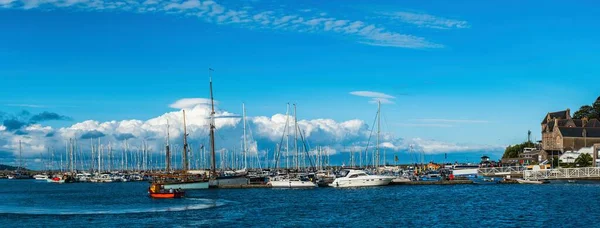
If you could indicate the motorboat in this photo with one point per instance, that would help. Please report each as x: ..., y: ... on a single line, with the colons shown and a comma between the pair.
x: 158, y: 191
x: 359, y: 178
x: 40, y: 177
x: 103, y: 178
x: 58, y: 179
x: 527, y: 181
x: 18, y: 175
x: 83, y: 177
x: 401, y: 179
x: 287, y: 182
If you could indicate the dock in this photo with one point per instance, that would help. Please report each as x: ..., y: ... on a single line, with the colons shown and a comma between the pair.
x: 240, y: 186
x: 453, y: 182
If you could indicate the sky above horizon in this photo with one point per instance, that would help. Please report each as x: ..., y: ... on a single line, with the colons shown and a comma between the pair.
x: 453, y: 77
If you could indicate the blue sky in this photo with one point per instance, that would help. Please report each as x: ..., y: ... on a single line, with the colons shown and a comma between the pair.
x: 468, y: 72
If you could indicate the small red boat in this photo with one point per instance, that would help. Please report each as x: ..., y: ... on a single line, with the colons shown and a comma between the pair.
x: 157, y: 191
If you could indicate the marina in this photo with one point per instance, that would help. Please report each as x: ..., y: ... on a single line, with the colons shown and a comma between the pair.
x: 214, y: 113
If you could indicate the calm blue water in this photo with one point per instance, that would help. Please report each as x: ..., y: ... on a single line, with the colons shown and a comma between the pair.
x: 27, y: 203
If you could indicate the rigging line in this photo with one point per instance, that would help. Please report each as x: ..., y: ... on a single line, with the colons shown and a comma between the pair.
x: 277, y: 155
x: 371, y: 134
x: 306, y: 149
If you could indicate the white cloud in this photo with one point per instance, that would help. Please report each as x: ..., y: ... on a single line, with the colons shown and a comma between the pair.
x: 372, y: 94
x: 428, y: 21
x: 150, y: 2
x: 246, y: 17
x: 264, y: 132
x: 437, y: 147
x: 422, y: 125
x: 376, y: 97
x: 25, y: 105
x: 451, y: 121
x: 190, y: 103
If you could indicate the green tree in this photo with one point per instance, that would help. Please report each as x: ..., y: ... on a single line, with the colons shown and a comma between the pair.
x: 555, y: 161
x: 584, y: 160
x: 596, y: 107
x: 585, y: 111
x: 513, y: 151
x: 589, y: 111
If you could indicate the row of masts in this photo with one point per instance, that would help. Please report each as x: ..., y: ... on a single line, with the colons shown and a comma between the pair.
x: 104, y: 158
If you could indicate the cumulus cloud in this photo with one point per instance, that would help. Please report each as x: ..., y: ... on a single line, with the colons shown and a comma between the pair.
x: 246, y: 17
x: 264, y: 133
x: 45, y: 116
x: 93, y: 134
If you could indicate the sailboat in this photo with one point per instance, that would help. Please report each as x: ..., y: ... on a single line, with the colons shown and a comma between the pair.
x: 182, y: 180
x: 18, y: 174
x: 236, y: 178
x: 359, y: 178
x: 300, y: 180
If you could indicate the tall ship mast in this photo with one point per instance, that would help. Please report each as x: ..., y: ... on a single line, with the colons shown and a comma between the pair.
x: 213, y: 163
x: 185, y: 146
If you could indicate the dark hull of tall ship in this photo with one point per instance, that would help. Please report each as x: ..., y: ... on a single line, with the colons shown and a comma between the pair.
x: 229, y: 181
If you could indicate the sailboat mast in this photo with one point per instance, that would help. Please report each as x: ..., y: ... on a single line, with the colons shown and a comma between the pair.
x: 296, y: 139
x: 185, y: 144
x: 20, y: 153
x: 213, y: 168
x: 168, y: 149
x: 245, y: 146
x: 378, y: 130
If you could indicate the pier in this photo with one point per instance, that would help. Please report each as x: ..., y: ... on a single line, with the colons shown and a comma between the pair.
x: 501, y: 171
x: 563, y: 173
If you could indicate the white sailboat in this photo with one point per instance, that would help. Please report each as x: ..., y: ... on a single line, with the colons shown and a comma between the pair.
x: 359, y: 178
x: 287, y: 182
x: 300, y: 181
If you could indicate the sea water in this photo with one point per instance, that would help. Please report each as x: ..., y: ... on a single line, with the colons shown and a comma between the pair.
x: 30, y: 203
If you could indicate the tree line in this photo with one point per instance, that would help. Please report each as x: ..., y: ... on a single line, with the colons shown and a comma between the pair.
x: 589, y: 111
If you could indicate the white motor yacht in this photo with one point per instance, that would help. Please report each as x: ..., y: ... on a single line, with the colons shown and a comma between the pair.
x: 359, y: 178
x: 41, y: 177
x: 287, y: 182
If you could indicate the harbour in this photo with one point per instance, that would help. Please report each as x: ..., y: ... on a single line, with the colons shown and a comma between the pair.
x: 214, y: 113
x: 57, y: 205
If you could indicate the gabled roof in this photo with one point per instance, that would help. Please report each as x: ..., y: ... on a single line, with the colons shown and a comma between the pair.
x: 578, y: 122
x: 592, y: 123
x: 578, y: 132
x: 556, y: 115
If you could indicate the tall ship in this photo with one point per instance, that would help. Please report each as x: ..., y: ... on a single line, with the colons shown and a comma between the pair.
x: 181, y: 179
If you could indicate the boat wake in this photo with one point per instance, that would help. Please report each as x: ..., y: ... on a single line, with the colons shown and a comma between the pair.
x: 187, y: 204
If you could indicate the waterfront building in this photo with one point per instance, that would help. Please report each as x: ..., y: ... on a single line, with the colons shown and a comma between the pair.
x: 561, y: 133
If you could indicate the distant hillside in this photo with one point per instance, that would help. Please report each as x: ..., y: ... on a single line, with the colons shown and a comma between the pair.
x: 8, y: 168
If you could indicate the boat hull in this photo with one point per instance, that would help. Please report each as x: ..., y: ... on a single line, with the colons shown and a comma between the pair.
x: 523, y: 181
x: 292, y: 184
x: 187, y: 185
x: 56, y: 181
x: 372, y: 181
x: 229, y: 181
x: 167, y: 195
